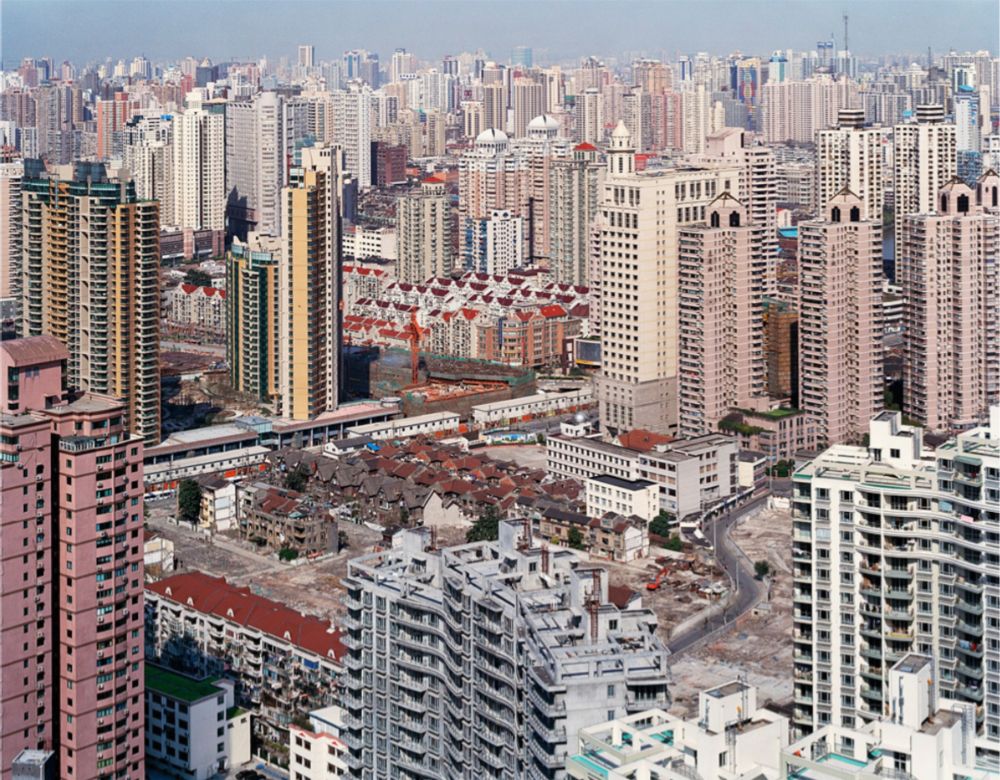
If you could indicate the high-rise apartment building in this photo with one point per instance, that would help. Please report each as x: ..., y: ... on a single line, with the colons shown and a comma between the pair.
x: 528, y: 102
x: 574, y: 192
x: 112, y: 114
x: 924, y: 160
x: 71, y: 616
x: 307, y: 56
x: 797, y: 110
x: 90, y: 277
x: 894, y: 549
x: 486, y: 659
x: 722, y: 361
x: 309, y: 288
x: 840, y: 320
x: 639, y: 281
x: 494, y: 245
x: 949, y: 268
x: 852, y: 156
x: 352, y: 129
x: 198, y: 164
x: 252, y: 347
x: 495, y: 106
x: 11, y: 176
x: 148, y: 157
x: 590, y: 116
x: 423, y: 233
x: 259, y: 143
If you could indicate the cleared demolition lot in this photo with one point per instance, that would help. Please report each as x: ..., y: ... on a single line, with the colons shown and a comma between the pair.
x: 759, y: 644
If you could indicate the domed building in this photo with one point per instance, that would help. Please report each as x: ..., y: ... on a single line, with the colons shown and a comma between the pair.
x: 492, y: 142
x: 544, y: 127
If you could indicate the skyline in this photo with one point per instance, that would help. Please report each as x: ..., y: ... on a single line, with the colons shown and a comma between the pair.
x: 89, y: 30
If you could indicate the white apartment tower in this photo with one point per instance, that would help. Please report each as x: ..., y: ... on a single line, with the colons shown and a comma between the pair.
x: 352, y: 129
x: 258, y: 147
x: 853, y: 156
x: 423, y: 231
x: 840, y: 320
x: 198, y: 167
x: 590, y: 116
x: 948, y: 267
x: 925, y: 159
x: 641, y: 214
x: 486, y: 659
x: 895, y: 552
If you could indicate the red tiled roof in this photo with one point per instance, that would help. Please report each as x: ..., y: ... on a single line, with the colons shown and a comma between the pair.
x: 641, y: 440
x: 215, y: 596
x: 584, y: 147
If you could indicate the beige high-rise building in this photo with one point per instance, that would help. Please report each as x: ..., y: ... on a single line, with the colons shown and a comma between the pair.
x: 722, y: 361
x: 841, y: 381
x: 948, y: 269
x: 642, y: 215
x: 653, y: 76
x: 528, y: 102
x: 11, y: 175
x: 853, y: 156
x: 924, y: 160
x: 495, y: 106
x: 308, y: 288
x: 198, y: 166
x: 698, y: 118
x: 472, y: 118
x: 590, y: 117
x: 797, y: 110
x: 423, y: 232
x: 574, y: 194
x: 90, y: 277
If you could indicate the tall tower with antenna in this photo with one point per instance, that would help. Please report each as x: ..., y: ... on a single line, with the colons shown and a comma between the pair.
x: 847, y: 48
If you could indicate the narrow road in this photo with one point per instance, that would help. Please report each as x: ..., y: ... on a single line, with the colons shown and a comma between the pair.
x: 749, y: 591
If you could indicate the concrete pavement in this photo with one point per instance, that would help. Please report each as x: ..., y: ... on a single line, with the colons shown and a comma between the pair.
x: 746, y: 592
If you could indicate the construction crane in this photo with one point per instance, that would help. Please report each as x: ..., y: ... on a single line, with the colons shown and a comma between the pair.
x: 416, y: 333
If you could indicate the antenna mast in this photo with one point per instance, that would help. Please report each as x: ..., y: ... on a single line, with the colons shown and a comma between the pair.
x: 847, y: 48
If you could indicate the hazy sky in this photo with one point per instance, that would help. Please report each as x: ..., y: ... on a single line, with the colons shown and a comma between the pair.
x: 83, y: 30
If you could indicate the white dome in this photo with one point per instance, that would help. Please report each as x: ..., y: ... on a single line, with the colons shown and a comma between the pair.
x: 621, y: 131
x: 544, y: 122
x: 491, y: 136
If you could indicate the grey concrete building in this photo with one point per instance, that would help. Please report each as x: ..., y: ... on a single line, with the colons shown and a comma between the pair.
x: 486, y: 659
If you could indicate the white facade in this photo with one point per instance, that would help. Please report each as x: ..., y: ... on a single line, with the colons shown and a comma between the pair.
x: 192, y: 726
x: 531, y: 406
x: 894, y: 552
x: 625, y: 497
x: 198, y: 169
x: 920, y: 737
x: 731, y: 738
x: 352, y: 117
x: 853, y: 156
x: 924, y: 160
x: 406, y: 427
x: 361, y: 242
x: 318, y: 753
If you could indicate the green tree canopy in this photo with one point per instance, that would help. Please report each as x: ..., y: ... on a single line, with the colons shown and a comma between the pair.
x: 486, y: 528
x: 188, y: 501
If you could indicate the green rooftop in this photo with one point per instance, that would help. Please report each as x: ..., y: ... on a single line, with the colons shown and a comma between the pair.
x: 177, y: 686
x: 775, y: 414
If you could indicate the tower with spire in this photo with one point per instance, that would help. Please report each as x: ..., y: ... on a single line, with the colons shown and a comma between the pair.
x: 621, y: 152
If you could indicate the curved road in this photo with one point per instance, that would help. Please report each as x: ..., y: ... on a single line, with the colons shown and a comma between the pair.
x: 749, y: 591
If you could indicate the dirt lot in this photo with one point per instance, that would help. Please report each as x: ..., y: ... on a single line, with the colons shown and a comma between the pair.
x: 760, y: 645
x: 531, y: 456
x: 313, y: 588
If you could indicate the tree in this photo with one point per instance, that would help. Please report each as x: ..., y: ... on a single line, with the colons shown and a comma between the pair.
x: 287, y: 554
x: 297, y: 479
x: 540, y: 438
x: 660, y: 525
x: 674, y: 543
x: 189, y: 501
x: 575, y: 539
x: 761, y: 569
x: 198, y: 278
x: 487, y: 526
x: 343, y: 541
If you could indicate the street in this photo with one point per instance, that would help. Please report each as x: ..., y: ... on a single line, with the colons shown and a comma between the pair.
x: 749, y: 590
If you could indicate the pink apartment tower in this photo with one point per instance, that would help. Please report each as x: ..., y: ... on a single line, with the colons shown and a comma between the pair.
x: 948, y: 269
x: 71, y: 610
x: 841, y: 376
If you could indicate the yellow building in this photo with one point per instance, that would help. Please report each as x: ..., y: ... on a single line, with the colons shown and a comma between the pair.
x: 90, y: 277
x: 309, y: 288
x: 252, y: 348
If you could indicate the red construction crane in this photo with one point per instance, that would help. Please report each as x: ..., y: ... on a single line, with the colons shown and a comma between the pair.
x: 416, y: 333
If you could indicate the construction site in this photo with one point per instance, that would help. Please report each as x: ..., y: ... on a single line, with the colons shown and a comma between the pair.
x: 758, y: 644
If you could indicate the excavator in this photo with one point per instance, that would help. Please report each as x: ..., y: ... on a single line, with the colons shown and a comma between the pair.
x: 658, y: 580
